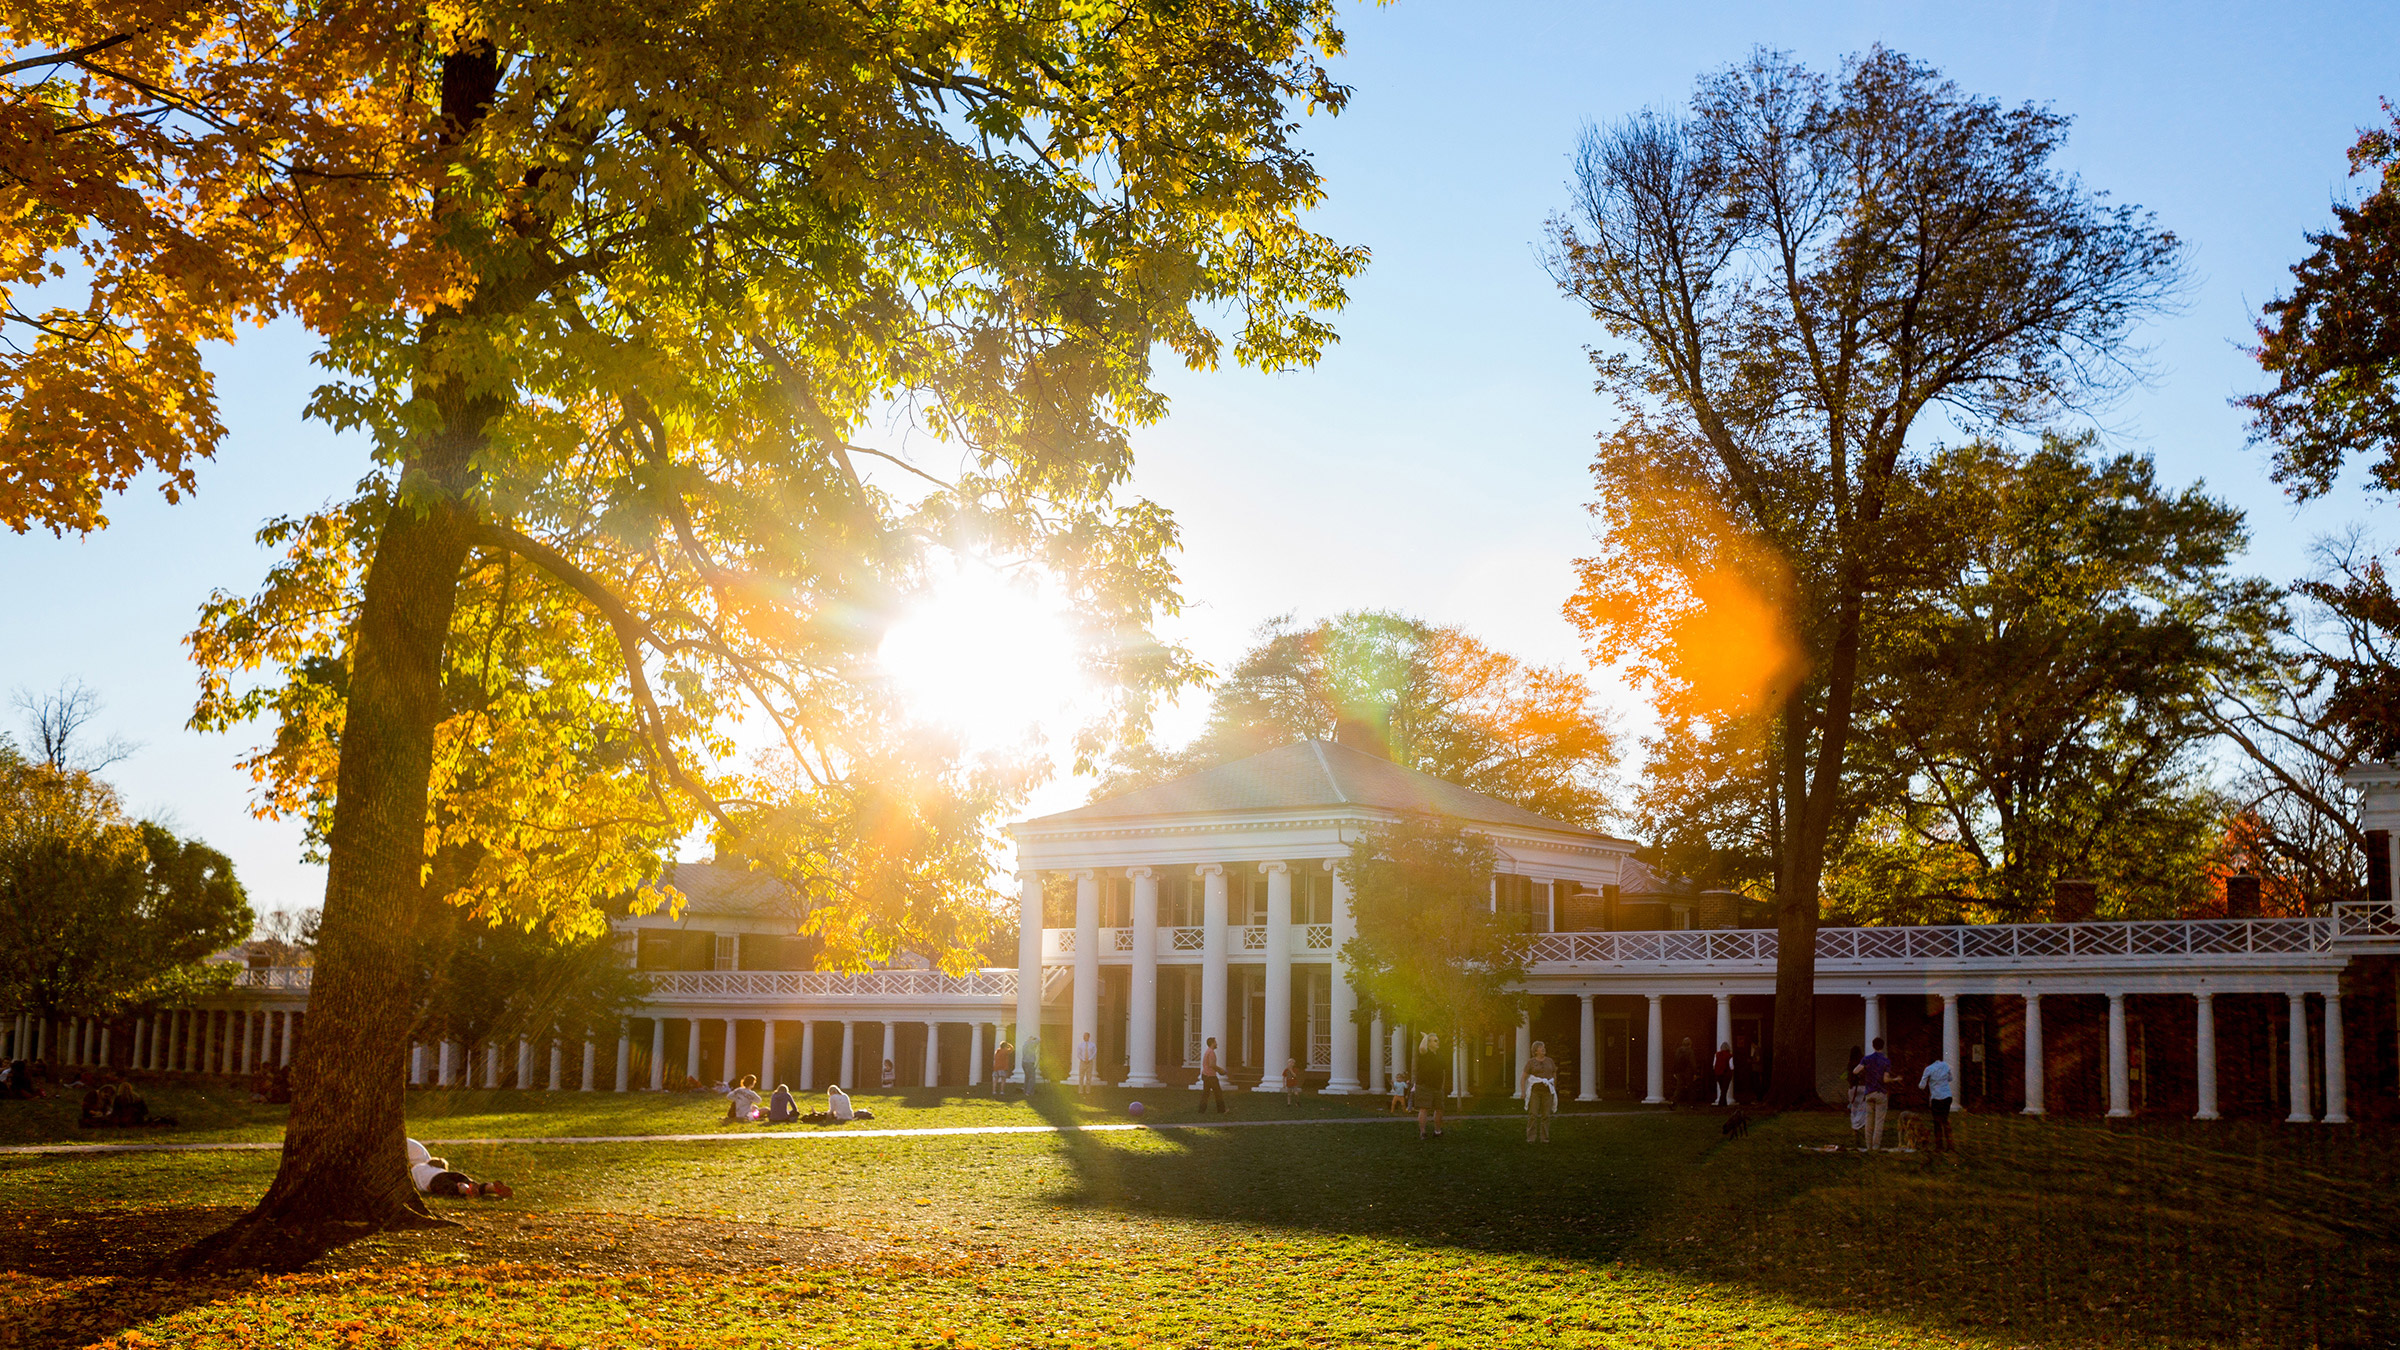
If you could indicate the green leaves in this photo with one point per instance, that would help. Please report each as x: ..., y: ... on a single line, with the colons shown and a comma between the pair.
x: 1431, y: 951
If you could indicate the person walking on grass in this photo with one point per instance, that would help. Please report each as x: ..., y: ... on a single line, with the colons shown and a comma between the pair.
x: 1724, y: 1074
x: 1429, y: 1078
x: 1212, y: 1079
x: 1087, y: 1066
x: 1873, y: 1075
x: 1291, y: 1082
x: 1939, y: 1085
x: 1004, y: 1063
x: 1539, y: 1083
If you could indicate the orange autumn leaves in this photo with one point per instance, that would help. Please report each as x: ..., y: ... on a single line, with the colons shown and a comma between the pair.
x: 1694, y: 605
x: 169, y: 174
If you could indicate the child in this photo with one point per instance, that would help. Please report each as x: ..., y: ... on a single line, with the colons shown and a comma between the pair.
x: 1291, y: 1082
x: 1398, y: 1106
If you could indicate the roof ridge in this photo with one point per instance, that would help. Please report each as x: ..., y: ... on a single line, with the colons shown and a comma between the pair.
x: 1317, y: 748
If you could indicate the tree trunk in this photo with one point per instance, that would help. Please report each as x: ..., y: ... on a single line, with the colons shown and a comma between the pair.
x: 344, y: 1172
x: 1794, y: 1080
x: 345, y: 1165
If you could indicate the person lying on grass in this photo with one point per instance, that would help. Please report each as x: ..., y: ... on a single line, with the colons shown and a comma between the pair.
x: 433, y: 1176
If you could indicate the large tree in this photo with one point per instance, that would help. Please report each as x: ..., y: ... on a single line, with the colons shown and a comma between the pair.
x: 1429, y: 696
x: 103, y: 913
x: 1431, y: 951
x: 1791, y: 277
x: 2046, y: 691
x: 618, y: 294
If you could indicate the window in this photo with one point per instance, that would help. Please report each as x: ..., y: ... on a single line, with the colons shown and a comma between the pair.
x: 729, y: 950
x: 672, y: 949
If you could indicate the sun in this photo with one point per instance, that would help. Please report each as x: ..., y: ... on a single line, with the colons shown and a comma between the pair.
x: 988, y: 657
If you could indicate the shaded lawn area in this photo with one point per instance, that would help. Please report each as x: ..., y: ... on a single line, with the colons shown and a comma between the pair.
x: 214, y: 1113
x: 1627, y: 1230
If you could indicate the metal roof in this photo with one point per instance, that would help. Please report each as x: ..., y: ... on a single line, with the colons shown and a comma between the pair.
x: 1311, y: 775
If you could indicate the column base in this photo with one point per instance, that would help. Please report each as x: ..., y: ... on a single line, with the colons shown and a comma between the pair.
x: 2299, y: 1118
x: 1587, y: 1097
x: 1654, y: 1101
x: 1332, y: 1089
x: 2033, y: 1111
x: 2119, y: 1115
x: 2336, y: 1119
x: 1142, y: 1083
x: 2206, y: 1115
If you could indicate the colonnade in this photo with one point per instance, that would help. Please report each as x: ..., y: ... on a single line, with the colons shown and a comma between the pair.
x: 192, y: 1040
x: 452, y: 1064
x: 1141, y: 1014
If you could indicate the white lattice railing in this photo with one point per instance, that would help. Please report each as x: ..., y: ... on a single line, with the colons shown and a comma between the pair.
x: 826, y: 983
x: 292, y: 979
x: 1965, y: 942
x: 1250, y: 938
x: 2358, y: 919
x: 1191, y: 939
x: 1319, y: 937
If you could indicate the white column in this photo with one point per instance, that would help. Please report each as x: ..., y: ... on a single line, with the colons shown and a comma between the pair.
x: 2337, y: 1074
x: 291, y: 1031
x: 891, y: 1053
x: 1459, y: 1087
x: 1523, y: 1056
x: 658, y: 1054
x: 1212, y: 959
x: 558, y: 1065
x: 416, y: 1064
x: 808, y: 1056
x: 1342, y: 1000
x: 1275, y: 1046
x: 766, y: 1056
x: 1029, y: 970
x: 106, y: 1030
x: 133, y: 1052
x: 691, y: 1051
x: 2302, y: 1108
x: 1724, y: 1037
x: 2033, y: 1054
x: 850, y: 1055
x: 2204, y: 1044
x: 524, y: 1062
x: 2120, y: 1086
x: 624, y: 1078
x: 1658, y: 1051
x: 1874, y: 1018
x: 441, y: 1066
x: 1087, y: 964
x: 1958, y: 1072
x: 41, y: 1038
x: 1587, y: 1051
x: 975, y: 1052
x: 491, y: 1065
x: 933, y: 1054
x: 1375, y: 1049
x: 591, y: 1065
x: 1141, y: 992
x: 732, y: 1069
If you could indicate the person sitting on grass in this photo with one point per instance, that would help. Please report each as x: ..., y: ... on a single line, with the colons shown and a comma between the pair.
x: 433, y: 1176
x: 838, y: 1110
x: 128, y: 1108
x: 780, y: 1108
x: 891, y: 1075
x: 98, y: 1101
x: 741, y: 1104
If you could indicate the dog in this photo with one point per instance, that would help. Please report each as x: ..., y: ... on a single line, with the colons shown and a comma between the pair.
x: 1736, y: 1125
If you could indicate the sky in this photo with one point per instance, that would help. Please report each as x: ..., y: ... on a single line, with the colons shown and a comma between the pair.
x: 1435, y: 461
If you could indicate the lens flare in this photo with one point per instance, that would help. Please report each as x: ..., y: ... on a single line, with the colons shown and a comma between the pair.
x: 987, y: 657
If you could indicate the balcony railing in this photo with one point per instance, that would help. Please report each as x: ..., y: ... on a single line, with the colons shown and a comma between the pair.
x: 2358, y: 920
x: 1965, y: 942
x: 826, y: 983
x: 288, y: 979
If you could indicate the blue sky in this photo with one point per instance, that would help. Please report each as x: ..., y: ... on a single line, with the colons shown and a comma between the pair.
x: 1435, y: 461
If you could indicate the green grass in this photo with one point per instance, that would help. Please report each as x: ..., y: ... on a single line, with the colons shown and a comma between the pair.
x: 208, y: 1113
x: 1627, y: 1230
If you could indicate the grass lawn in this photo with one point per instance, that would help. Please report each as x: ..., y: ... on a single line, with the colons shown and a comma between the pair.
x: 1632, y: 1230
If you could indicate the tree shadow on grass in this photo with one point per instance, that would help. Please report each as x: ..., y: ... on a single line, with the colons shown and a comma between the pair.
x: 2061, y: 1232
